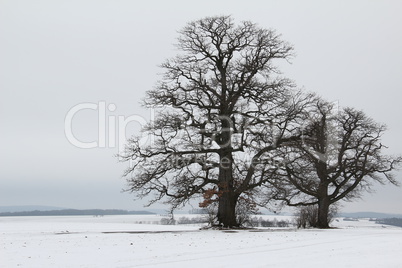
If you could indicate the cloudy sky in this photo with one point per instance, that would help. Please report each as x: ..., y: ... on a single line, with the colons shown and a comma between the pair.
x: 57, y: 57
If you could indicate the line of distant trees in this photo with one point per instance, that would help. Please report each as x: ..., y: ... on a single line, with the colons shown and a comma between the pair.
x: 75, y: 212
x: 390, y: 221
x: 251, y: 222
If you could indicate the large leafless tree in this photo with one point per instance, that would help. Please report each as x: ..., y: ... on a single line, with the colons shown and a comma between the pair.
x: 339, y: 156
x: 221, y: 108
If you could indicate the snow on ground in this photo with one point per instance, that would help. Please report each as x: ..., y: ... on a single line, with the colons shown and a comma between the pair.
x: 132, y: 241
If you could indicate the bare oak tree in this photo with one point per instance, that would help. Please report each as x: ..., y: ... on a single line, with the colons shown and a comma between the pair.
x: 339, y: 156
x: 221, y: 107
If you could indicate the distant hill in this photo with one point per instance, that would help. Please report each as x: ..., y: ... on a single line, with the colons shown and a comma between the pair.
x: 74, y: 212
x: 390, y: 221
x: 27, y: 208
x: 376, y: 215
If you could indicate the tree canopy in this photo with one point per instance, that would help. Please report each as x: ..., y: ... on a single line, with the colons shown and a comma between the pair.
x: 224, y: 118
x: 221, y: 103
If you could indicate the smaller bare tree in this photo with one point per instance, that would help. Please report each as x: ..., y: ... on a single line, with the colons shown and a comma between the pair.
x: 339, y: 157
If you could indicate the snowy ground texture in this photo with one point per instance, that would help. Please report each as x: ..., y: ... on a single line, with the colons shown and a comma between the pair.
x: 121, y: 241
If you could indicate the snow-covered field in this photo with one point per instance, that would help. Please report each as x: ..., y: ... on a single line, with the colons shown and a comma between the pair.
x: 122, y: 241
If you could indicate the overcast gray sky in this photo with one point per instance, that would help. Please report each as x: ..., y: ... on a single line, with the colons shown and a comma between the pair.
x: 55, y: 55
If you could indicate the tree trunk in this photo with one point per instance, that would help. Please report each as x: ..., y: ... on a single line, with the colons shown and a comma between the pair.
x: 323, y: 205
x: 227, y: 197
x: 323, y: 210
x: 227, y: 210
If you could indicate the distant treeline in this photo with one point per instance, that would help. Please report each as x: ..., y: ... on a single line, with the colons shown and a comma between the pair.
x: 75, y: 212
x: 390, y: 221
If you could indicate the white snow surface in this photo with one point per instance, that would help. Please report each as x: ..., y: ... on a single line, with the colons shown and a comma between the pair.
x: 132, y: 241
